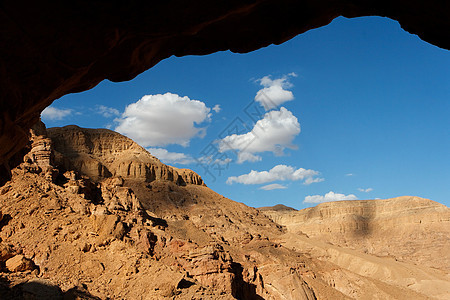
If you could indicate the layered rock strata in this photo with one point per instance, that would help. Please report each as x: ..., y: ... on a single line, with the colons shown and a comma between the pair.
x: 408, y: 228
x: 102, y: 153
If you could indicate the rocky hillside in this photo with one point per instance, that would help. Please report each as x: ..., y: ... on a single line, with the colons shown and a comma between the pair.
x: 89, y: 214
x: 410, y: 229
x: 102, y: 153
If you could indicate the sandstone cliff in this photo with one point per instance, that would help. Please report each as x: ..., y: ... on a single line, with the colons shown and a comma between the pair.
x: 102, y: 153
x: 406, y: 229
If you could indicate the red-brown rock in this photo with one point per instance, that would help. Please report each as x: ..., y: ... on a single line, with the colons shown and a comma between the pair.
x: 19, y: 263
x: 54, y: 48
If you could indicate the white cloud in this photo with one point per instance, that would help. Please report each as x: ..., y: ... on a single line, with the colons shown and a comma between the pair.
x: 53, y: 113
x: 273, y: 186
x: 349, y: 174
x: 330, y: 196
x: 310, y: 180
x: 273, y: 133
x: 246, y: 156
x: 171, y: 157
x: 279, y: 172
x: 159, y: 120
x: 106, y: 111
x: 210, y: 160
x: 217, y: 108
x: 274, y: 91
x: 365, y: 190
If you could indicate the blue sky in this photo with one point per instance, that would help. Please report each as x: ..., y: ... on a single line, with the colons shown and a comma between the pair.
x: 358, y: 109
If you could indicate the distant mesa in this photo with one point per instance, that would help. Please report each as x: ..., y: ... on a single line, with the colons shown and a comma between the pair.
x: 278, y: 207
x: 379, y: 227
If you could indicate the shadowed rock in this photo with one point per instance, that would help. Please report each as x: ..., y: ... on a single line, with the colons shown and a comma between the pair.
x: 55, y: 48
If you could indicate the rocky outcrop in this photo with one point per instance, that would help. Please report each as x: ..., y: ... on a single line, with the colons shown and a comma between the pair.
x: 210, y: 265
x: 48, y: 57
x: 41, y: 153
x: 102, y: 153
x: 134, y: 236
x: 19, y: 263
x: 118, y: 197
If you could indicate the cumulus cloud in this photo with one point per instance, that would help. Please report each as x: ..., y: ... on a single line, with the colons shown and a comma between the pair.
x: 368, y: 190
x: 277, y: 173
x: 106, y: 111
x: 53, y: 113
x: 273, y: 186
x: 349, y: 174
x: 273, y: 133
x: 159, y: 120
x: 171, y: 157
x: 217, y: 108
x: 274, y: 91
x: 330, y: 196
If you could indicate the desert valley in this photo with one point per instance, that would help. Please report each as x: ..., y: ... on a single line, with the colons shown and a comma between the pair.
x: 89, y: 214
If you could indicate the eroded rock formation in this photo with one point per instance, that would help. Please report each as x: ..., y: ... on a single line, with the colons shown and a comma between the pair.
x: 163, y: 236
x: 72, y: 236
x: 54, y: 48
x: 102, y: 153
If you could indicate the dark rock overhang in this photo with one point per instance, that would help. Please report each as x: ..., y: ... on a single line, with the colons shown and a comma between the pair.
x: 52, y: 48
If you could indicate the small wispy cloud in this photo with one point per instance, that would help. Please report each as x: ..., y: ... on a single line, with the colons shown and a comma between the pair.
x: 310, y: 180
x: 365, y: 190
x: 328, y: 197
x: 55, y: 114
x: 209, y: 160
x: 273, y: 186
x: 107, y: 112
x: 217, y: 108
x: 171, y: 157
x: 349, y: 174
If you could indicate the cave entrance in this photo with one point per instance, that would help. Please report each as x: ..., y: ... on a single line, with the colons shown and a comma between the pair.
x: 355, y: 109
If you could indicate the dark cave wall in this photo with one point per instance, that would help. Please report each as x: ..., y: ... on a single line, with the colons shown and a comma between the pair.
x: 52, y: 48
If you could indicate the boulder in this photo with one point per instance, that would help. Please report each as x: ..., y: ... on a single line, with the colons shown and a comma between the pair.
x: 19, y: 263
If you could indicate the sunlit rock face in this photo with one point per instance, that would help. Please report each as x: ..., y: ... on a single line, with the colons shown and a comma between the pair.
x: 373, y: 226
x: 89, y: 212
x: 102, y: 153
x: 54, y: 48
